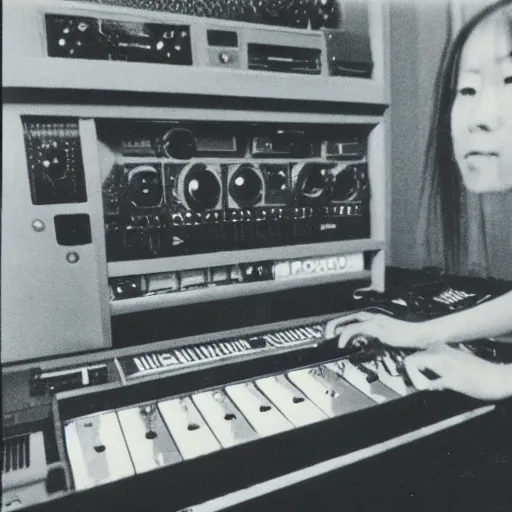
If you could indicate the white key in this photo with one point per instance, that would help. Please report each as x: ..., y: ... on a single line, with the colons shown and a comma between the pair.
x: 261, y: 413
x: 240, y: 346
x: 305, y: 335
x: 375, y: 390
x: 187, y: 427
x: 224, y: 348
x: 226, y: 421
x: 271, y: 341
x: 199, y: 354
x: 328, y: 391
x: 148, y: 440
x: 180, y: 356
x: 212, y: 353
x: 191, y: 354
x: 290, y: 400
x: 205, y: 352
x: 217, y: 350
x: 97, y: 450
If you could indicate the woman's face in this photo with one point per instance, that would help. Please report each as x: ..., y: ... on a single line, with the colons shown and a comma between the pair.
x: 481, y: 117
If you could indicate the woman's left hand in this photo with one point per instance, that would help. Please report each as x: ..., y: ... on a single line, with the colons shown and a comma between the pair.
x: 460, y: 371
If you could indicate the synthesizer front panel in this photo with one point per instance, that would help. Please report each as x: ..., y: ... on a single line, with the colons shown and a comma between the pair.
x: 116, y: 210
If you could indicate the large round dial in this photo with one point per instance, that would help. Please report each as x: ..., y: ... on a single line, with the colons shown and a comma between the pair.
x: 246, y: 185
x: 200, y: 187
x: 310, y: 183
x: 346, y: 184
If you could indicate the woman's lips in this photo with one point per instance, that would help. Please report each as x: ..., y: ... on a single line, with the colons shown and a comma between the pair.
x: 478, y: 160
x: 473, y: 153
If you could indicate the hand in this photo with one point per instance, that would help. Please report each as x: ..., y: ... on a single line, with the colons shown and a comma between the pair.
x: 460, y: 371
x: 388, y: 330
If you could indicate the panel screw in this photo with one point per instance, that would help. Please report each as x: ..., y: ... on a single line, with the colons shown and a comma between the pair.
x: 38, y: 225
x: 72, y: 257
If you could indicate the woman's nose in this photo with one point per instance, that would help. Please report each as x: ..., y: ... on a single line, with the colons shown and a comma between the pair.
x: 486, y: 113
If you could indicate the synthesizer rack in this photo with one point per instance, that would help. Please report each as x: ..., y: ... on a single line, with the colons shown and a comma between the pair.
x: 160, y: 155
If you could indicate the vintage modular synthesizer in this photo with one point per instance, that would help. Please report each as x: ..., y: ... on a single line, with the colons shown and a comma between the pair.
x: 161, y: 156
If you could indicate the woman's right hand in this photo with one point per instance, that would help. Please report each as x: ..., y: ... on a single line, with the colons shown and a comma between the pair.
x: 397, y: 333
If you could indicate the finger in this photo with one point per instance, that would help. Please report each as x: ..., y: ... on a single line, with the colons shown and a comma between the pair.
x: 441, y: 384
x: 333, y: 327
x: 424, y: 362
x: 368, y: 328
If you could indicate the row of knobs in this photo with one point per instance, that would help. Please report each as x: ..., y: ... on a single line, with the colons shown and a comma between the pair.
x: 201, y: 187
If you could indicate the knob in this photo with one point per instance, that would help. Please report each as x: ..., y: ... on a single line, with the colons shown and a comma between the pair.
x: 225, y: 58
x: 246, y: 185
x: 200, y: 188
x: 178, y: 143
x: 345, y: 185
x: 311, y: 183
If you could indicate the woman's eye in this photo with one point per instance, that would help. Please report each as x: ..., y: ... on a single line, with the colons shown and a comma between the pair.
x: 508, y: 80
x: 467, y: 91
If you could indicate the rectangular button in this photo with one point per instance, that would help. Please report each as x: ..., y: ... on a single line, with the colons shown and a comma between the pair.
x: 328, y: 391
x: 148, y: 440
x: 97, y: 450
x: 227, y: 422
x: 290, y: 400
x: 258, y: 409
x: 188, y: 428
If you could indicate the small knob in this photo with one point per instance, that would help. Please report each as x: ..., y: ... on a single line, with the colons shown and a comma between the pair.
x: 225, y: 58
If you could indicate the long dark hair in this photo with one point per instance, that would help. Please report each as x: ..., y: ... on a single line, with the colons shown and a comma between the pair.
x: 442, y: 185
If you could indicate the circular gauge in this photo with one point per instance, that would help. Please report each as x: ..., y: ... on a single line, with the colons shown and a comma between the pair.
x: 145, y: 187
x: 201, y: 188
x: 246, y: 185
x: 311, y: 183
x: 346, y: 185
x: 178, y: 143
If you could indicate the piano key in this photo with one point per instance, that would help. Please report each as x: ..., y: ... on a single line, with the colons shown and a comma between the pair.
x: 271, y: 341
x: 191, y: 353
x: 295, y: 334
x: 206, y: 354
x: 199, y: 354
x: 265, y: 418
x: 186, y: 355
x: 375, y: 390
x: 290, y: 400
x: 239, y: 346
x: 304, y: 333
x: 254, y: 343
x: 283, y: 339
x: 317, y: 331
x: 226, y: 421
x: 217, y: 350
x: 288, y: 336
x: 148, y: 440
x: 210, y: 350
x: 223, y: 348
x: 97, y: 450
x: 188, y: 428
x: 231, y: 347
x: 180, y: 356
x: 328, y: 391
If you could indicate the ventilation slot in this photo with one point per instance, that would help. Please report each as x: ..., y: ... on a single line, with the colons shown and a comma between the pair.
x: 15, y: 454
